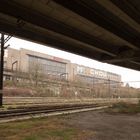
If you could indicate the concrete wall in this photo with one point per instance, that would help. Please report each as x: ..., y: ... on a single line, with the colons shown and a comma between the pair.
x: 11, y: 56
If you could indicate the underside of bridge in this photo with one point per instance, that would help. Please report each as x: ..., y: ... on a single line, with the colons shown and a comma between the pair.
x: 104, y: 30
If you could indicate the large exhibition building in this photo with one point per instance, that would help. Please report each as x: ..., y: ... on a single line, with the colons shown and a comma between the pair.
x: 27, y: 61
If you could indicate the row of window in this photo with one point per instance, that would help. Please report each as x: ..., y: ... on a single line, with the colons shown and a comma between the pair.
x: 93, y: 80
x: 88, y: 79
x: 46, y: 61
x: 46, y: 66
x: 52, y: 68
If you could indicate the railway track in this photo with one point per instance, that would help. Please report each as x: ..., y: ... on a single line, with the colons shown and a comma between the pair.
x: 54, y: 100
x: 22, y: 108
x: 35, y: 112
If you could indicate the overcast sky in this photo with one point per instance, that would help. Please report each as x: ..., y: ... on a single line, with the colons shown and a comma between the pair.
x: 127, y: 74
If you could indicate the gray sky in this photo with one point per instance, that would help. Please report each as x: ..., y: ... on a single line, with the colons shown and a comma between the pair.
x: 127, y: 74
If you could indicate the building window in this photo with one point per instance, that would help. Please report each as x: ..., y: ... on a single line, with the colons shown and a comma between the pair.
x: 46, y: 66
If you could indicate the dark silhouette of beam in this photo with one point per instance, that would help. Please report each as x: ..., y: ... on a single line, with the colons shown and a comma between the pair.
x: 35, y: 18
x: 130, y: 7
x: 96, y: 13
x: 45, y: 22
x: 50, y: 41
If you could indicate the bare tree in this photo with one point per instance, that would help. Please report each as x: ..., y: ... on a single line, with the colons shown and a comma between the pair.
x: 35, y: 73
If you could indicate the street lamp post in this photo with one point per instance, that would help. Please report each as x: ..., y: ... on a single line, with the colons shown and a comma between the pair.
x: 62, y: 74
x: 109, y: 88
x: 93, y: 91
x: 15, y: 62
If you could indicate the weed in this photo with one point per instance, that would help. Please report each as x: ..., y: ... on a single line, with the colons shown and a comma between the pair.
x: 124, y: 108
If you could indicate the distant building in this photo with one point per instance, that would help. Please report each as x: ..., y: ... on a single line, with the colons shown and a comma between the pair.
x: 94, y: 76
x: 26, y: 61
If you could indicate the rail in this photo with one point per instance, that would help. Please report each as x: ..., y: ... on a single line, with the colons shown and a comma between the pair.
x: 35, y: 112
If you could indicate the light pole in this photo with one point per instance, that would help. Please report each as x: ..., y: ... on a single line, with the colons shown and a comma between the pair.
x: 93, y: 87
x: 62, y: 74
x: 109, y: 88
x: 15, y: 62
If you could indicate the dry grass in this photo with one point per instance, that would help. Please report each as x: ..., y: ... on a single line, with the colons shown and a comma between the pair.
x: 124, y: 108
x: 41, y: 129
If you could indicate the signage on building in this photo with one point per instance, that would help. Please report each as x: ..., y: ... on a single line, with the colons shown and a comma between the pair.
x: 96, y: 73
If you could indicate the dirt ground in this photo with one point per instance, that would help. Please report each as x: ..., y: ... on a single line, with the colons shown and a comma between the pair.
x: 106, y: 126
x: 93, y: 125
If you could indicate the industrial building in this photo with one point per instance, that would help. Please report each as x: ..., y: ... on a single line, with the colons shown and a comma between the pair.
x: 92, y: 75
x: 27, y: 61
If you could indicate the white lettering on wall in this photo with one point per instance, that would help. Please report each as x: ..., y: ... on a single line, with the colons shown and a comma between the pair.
x: 96, y: 73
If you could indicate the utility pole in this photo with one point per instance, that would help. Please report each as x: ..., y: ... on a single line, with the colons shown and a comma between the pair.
x: 1, y: 68
x: 109, y: 88
x: 2, y: 43
x: 93, y: 90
